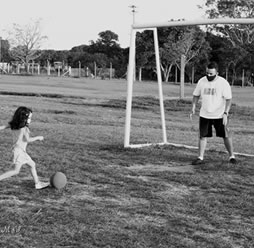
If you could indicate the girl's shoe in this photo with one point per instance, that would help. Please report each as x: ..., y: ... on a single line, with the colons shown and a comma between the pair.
x: 41, y: 185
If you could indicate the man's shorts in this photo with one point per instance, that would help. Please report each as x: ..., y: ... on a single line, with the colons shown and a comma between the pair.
x: 205, y: 128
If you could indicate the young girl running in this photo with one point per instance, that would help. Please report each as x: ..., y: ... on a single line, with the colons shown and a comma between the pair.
x: 19, y: 126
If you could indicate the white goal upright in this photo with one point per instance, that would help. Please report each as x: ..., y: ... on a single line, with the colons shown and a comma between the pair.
x: 130, y: 75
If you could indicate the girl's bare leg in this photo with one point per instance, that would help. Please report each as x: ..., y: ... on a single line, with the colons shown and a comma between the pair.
x: 38, y: 184
x: 11, y: 172
x: 33, y: 171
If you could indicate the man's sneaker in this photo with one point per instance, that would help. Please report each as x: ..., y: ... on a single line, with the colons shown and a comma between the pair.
x: 198, y: 161
x: 41, y: 185
x: 232, y: 161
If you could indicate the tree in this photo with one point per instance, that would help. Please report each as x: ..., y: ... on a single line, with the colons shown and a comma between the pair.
x: 237, y: 34
x: 25, y: 42
x: 178, y: 41
x: 189, y: 42
x: 47, y: 56
x: 240, y: 36
x: 173, y: 43
x: 227, y: 56
x: 107, y: 48
x: 106, y: 43
x: 5, y: 51
x: 144, y: 51
x: 108, y: 38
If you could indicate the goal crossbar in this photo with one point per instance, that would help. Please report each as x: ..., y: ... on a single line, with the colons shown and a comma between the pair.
x: 193, y: 22
x: 131, y: 68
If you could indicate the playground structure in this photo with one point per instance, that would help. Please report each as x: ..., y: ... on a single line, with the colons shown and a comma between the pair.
x: 59, y: 69
x: 33, y: 69
x: 4, y: 67
x: 131, y: 69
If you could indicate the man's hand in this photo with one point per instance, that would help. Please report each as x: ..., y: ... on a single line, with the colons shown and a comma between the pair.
x: 225, y: 119
x: 192, y: 112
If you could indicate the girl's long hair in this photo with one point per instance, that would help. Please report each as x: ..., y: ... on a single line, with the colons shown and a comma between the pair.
x: 19, y: 118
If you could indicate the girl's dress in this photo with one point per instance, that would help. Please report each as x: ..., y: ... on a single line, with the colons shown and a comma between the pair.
x: 20, y: 155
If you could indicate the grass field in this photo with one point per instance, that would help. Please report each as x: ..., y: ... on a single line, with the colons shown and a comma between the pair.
x: 116, y: 197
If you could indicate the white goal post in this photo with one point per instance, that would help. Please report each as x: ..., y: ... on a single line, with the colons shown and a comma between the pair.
x: 130, y: 75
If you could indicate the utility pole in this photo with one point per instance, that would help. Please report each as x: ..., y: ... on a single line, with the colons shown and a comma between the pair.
x: 133, y: 10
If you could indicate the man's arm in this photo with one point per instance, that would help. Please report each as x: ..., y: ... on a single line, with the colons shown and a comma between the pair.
x: 228, y: 106
x: 195, y: 100
x: 226, y: 111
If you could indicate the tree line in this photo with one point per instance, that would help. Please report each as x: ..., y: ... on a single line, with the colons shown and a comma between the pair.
x: 231, y: 46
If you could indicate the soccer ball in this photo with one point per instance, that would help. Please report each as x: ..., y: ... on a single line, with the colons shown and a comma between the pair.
x: 58, y: 180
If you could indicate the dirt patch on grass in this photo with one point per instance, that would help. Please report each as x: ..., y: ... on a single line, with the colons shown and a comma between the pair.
x: 173, y: 167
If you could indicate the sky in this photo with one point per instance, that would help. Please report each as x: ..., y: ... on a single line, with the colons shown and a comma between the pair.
x: 77, y: 22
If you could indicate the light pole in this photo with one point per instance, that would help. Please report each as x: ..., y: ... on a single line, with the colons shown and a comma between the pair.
x: 133, y: 7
